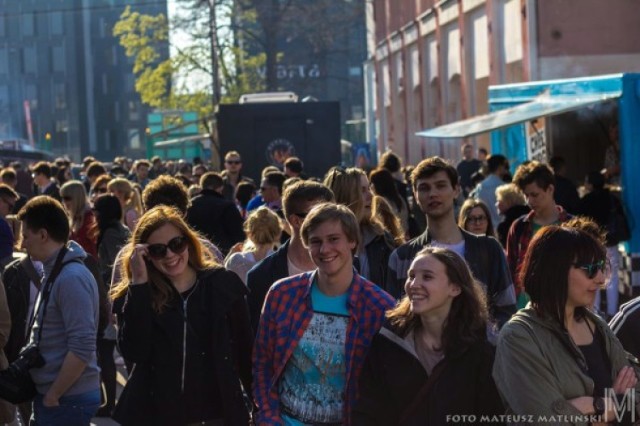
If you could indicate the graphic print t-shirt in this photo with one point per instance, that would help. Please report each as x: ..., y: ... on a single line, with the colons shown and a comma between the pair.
x: 312, y: 385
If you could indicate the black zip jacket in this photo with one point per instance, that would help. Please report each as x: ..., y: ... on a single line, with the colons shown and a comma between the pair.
x: 189, y: 363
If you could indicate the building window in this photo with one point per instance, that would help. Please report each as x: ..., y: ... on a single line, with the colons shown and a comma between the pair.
x: 107, y: 140
x: 129, y: 83
x: 58, y: 61
x: 134, y: 139
x: 29, y: 60
x: 62, y: 126
x: 28, y: 24
x: 4, y: 60
x: 60, y: 95
x: 31, y: 95
x: 4, y: 98
x: 57, y: 23
x: 134, y: 111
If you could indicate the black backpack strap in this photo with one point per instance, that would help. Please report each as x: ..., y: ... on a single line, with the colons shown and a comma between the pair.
x: 31, y: 271
x: 46, y: 293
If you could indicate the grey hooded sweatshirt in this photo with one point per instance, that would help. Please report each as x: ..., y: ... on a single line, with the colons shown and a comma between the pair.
x: 70, y: 323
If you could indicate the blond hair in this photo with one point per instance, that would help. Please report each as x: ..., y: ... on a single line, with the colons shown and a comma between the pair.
x: 263, y: 226
x: 74, y: 189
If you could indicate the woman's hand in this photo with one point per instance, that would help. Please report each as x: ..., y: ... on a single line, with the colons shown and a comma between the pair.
x: 137, y: 264
x: 626, y: 380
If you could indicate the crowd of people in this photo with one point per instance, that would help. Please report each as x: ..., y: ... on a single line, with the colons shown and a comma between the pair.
x: 417, y: 295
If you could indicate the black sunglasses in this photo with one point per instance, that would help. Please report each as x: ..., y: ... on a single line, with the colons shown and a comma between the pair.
x: 591, y: 269
x: 67, y: 198
x: 177, y: 245
x: 233, y: 162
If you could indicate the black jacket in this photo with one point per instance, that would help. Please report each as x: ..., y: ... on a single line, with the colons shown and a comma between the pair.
x: 16, y: 282
x: 217, y: 343
x: 378, y: 251
x: 261, y: 277
x: 218, y: 219
x: 510, y: 216
x: 392, y: 377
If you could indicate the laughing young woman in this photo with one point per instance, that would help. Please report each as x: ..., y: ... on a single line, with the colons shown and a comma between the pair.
x: 185, y: 325
x: 431, y: 362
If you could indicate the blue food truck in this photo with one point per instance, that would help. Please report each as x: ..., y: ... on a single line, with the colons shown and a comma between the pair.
x: 579, y: 119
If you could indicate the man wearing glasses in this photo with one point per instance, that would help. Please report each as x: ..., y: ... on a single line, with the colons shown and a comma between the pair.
x: 8, y: 199
x: 232, y: 176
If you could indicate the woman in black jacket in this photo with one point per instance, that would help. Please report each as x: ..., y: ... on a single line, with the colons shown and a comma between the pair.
x: 431, y: 363
x: 185, y: 325
x: 112, y: 236
x: 351, y: 188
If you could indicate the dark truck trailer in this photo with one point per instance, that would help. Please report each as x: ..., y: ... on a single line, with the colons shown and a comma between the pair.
x: 268, y: 133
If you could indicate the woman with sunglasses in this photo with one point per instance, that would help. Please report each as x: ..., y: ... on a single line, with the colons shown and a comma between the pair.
x: 129, y: 200
x: 351, y: 188
x: 475, y: 217
x: 185, y: 325
x: 81, y: 219
x: 556, y: 357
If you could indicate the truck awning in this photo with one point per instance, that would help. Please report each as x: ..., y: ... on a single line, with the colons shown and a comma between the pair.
x: 541, y: 106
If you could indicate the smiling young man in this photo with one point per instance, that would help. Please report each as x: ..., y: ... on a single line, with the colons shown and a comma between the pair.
x: 316, y: 327
x: 536, y: 181
x: 292, y: 258
x: 435, y: 187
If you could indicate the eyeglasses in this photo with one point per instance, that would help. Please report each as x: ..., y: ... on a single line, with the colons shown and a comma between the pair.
x: 477, y: 219
x: 101, y: 190
x: 591, y: 269
x: 233, y: 161
x: 67, y: 198
x: 177, y: 245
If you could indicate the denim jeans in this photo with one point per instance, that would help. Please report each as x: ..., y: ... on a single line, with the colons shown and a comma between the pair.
x: 74, y: 410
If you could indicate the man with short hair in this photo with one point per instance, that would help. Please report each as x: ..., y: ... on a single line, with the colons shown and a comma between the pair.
x: 157, y: 168
x: 497, y: 166
x: 8, y: 199
x: 292, y: 257
x: 9, y: 177
x: 293, y: 167
x: 215, y: 217
x: 141, y: 176
x: 316, y: 329
x: 232, y: 175
x: 565, y: 192
x: 537, y: 183
x: 93, y: 172
x: 435, y: 188
x: 467, y: 167
x: 271, y: 190
x: 66, y: 319
x: 41, y: 173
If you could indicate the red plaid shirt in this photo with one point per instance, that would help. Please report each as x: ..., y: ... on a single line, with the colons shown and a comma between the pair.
x: 518, y: 239
x: 286, y: 315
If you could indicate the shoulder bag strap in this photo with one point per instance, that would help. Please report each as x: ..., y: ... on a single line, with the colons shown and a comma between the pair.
x: 31, y: 272
x: 46, y: 292
x: 424, y: 391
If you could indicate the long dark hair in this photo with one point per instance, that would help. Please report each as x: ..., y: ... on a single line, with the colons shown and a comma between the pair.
x: 467, y: 319
x: 545, y: 270
x: 384, y: 185
x: 108, y: 211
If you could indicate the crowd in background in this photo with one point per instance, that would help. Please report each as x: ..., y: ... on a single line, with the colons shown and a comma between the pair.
x: 397, y: 295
